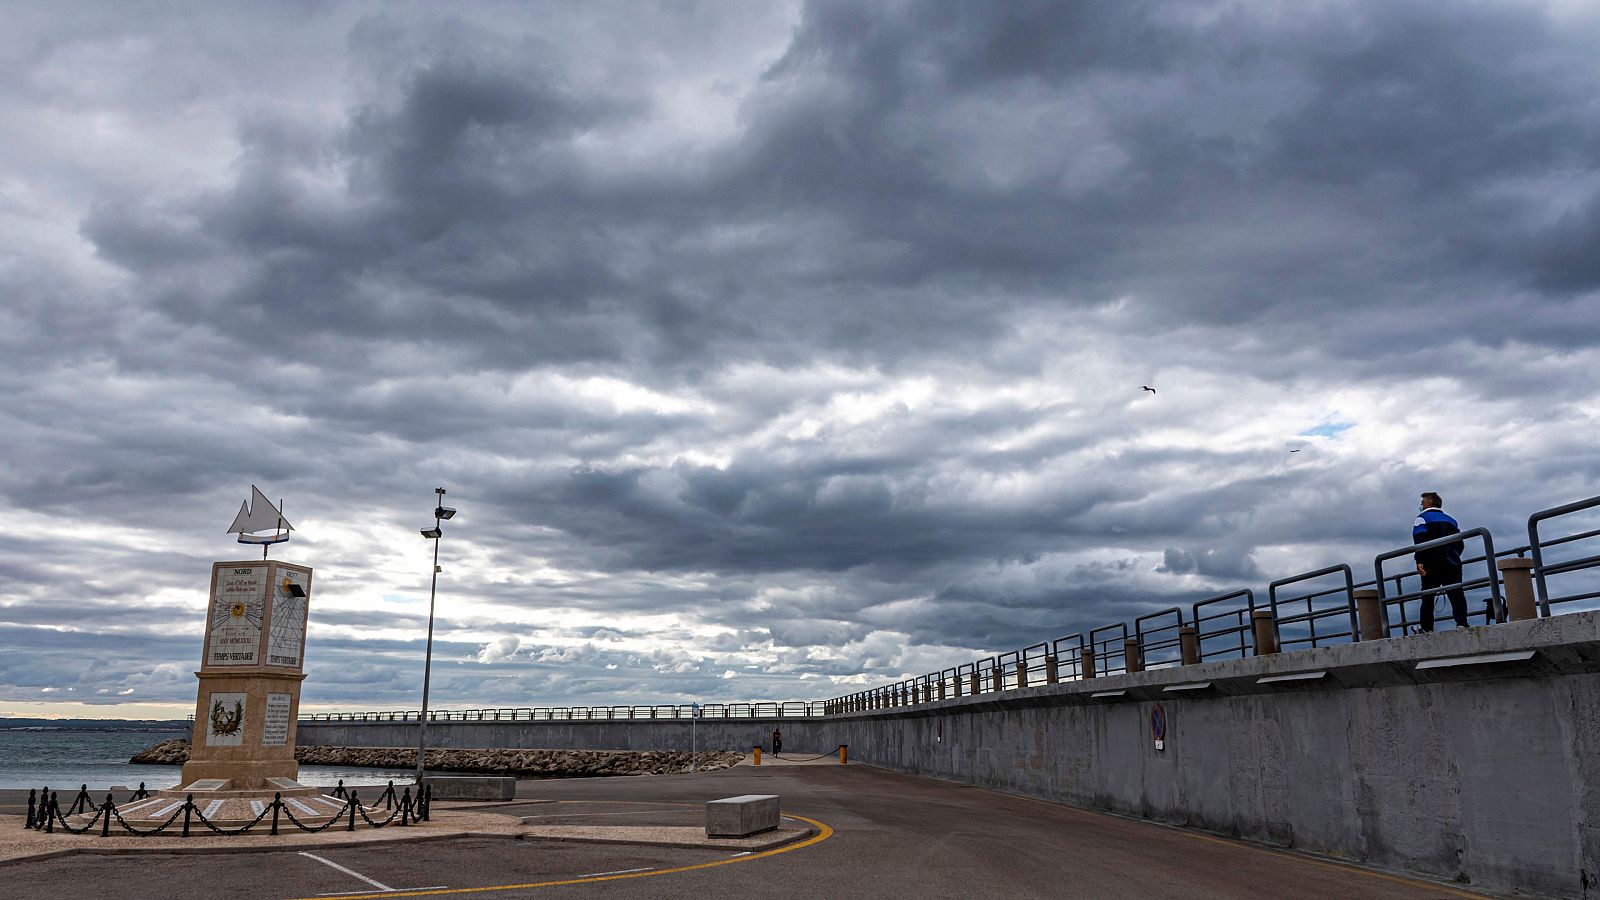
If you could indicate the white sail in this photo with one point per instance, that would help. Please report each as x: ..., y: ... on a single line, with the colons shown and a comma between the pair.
x: 258, y: 515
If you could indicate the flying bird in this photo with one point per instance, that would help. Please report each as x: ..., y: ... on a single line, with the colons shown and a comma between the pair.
x: 1147, y: 388
x: 1297, y: 450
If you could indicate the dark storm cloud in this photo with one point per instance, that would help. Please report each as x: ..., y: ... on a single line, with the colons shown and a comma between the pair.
x: 764, y: 347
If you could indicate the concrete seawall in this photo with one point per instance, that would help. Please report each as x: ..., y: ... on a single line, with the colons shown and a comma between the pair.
x: 1469, y: 755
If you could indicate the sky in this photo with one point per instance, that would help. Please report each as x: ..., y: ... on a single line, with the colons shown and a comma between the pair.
x: 768, y: 350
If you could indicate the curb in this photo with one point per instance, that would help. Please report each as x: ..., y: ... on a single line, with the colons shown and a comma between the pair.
x: 244, y: 848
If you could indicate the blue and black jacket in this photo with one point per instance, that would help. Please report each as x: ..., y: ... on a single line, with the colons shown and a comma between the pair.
x: 1432, y: 524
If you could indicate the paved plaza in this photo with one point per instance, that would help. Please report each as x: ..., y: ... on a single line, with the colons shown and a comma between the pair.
x: 853, y: 831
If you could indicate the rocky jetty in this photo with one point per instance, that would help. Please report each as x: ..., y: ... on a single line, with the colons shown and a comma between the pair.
x: 522, y: 763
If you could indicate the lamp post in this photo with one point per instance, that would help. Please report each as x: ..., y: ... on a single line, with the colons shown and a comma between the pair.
x: 440, y: 513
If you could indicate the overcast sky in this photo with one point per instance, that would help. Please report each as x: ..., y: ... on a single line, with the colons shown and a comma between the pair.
x: 768, y: 350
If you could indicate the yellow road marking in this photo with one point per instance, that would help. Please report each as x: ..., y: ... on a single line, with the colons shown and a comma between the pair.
x: 823, y: 833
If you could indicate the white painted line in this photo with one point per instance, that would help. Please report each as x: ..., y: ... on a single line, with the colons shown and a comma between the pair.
x: 745, y: 853
x: 168, y: 811
x: 429, y: 887
x: 304, y: 809
x: 617, y: 872
x: 634, y: 812
x: 336, y: 804
x: 351, y: 872
x: 140, y: 805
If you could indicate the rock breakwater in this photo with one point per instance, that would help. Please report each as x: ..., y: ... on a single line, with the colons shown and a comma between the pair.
x: 522, y: 763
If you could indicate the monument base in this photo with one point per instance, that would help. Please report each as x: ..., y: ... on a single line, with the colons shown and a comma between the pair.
x: 239, y: 775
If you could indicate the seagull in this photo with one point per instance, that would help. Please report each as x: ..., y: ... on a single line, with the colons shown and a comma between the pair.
x: 1147, y: 388
x: 1297, y: 450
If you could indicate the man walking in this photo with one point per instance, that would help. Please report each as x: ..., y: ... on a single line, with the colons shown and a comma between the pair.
x: 1438, y: 566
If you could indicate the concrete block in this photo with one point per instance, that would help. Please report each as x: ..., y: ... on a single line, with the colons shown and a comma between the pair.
x: 741, y: 816
x: 472, y: 787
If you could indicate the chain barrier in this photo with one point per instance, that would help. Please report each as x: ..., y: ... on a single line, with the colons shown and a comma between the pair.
x: 833, y: 752
x: 44, y: 813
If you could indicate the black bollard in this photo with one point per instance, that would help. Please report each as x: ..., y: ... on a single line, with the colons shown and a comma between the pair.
x: 339, y: 790
x: 31, y: 799
x: 188, y: 807
x: 50, y: 810
x: 353, y: 801
x: 405, y: 808
x: 141, y: 793
x: 277, y: 804
x: 105, y: 823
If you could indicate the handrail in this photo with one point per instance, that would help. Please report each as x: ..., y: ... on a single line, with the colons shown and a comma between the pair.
x: 1537, y: 546
x: 1460, y: 538
x: 1102, y: 651
x: 1242, y: 628
x: 1310, y: 616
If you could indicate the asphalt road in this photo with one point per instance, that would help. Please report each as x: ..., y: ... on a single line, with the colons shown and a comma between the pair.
x: 886, y: 835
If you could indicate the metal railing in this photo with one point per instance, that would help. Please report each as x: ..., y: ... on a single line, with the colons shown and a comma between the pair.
x: 1490, y: 579
x: 1223, y: 623
x: 1542, y: 570
x: 1160, y: 645
x: 774, y: 710
x: 1223, y: 629
x: 1302, y: 626
x: 1238, y: 625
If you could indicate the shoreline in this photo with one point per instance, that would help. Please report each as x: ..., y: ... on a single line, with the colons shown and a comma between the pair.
x: 522, y: 763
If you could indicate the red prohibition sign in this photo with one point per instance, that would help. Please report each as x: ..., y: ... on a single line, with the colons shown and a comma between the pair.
x: 1158, y: 723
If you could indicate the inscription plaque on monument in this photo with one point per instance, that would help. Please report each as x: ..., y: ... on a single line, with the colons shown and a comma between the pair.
x: 275, y: 727
x: 238, y: 598
x: 225, y: 724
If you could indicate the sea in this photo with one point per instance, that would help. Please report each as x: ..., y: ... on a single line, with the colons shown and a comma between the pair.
x: 64, y: 759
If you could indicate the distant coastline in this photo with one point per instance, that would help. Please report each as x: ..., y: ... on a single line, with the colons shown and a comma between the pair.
x: 135, y: 725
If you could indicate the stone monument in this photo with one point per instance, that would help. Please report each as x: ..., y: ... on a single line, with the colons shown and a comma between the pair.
x: 251, y: 666
x: 250, y: 674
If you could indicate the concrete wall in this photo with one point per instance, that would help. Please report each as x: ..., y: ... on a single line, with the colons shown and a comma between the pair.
x: 1486, y: 773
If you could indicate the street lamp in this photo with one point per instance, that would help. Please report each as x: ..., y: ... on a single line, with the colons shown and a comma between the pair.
x: 440, y: 512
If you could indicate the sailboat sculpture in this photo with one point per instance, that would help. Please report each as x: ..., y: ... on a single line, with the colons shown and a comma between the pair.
x: 259, y: 522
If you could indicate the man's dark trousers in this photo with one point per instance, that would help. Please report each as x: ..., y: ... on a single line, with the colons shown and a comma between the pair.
x: 1438, y: 576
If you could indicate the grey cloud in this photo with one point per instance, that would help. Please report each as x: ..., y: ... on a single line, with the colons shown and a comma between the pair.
x: 899, y: 272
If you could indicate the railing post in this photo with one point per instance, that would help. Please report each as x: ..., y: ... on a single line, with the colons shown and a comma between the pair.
x: 1086, y: 662
x: 1369, y: 609
x: 1266, y: 632
x: 998, y: 676
x: 1052, y: 670
x: 1189, y: 644
x: 1132, y: 659
x: 941, y: 687
x: 1517, y: 575
x: 976, y: 690
x: 1022, y: 673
